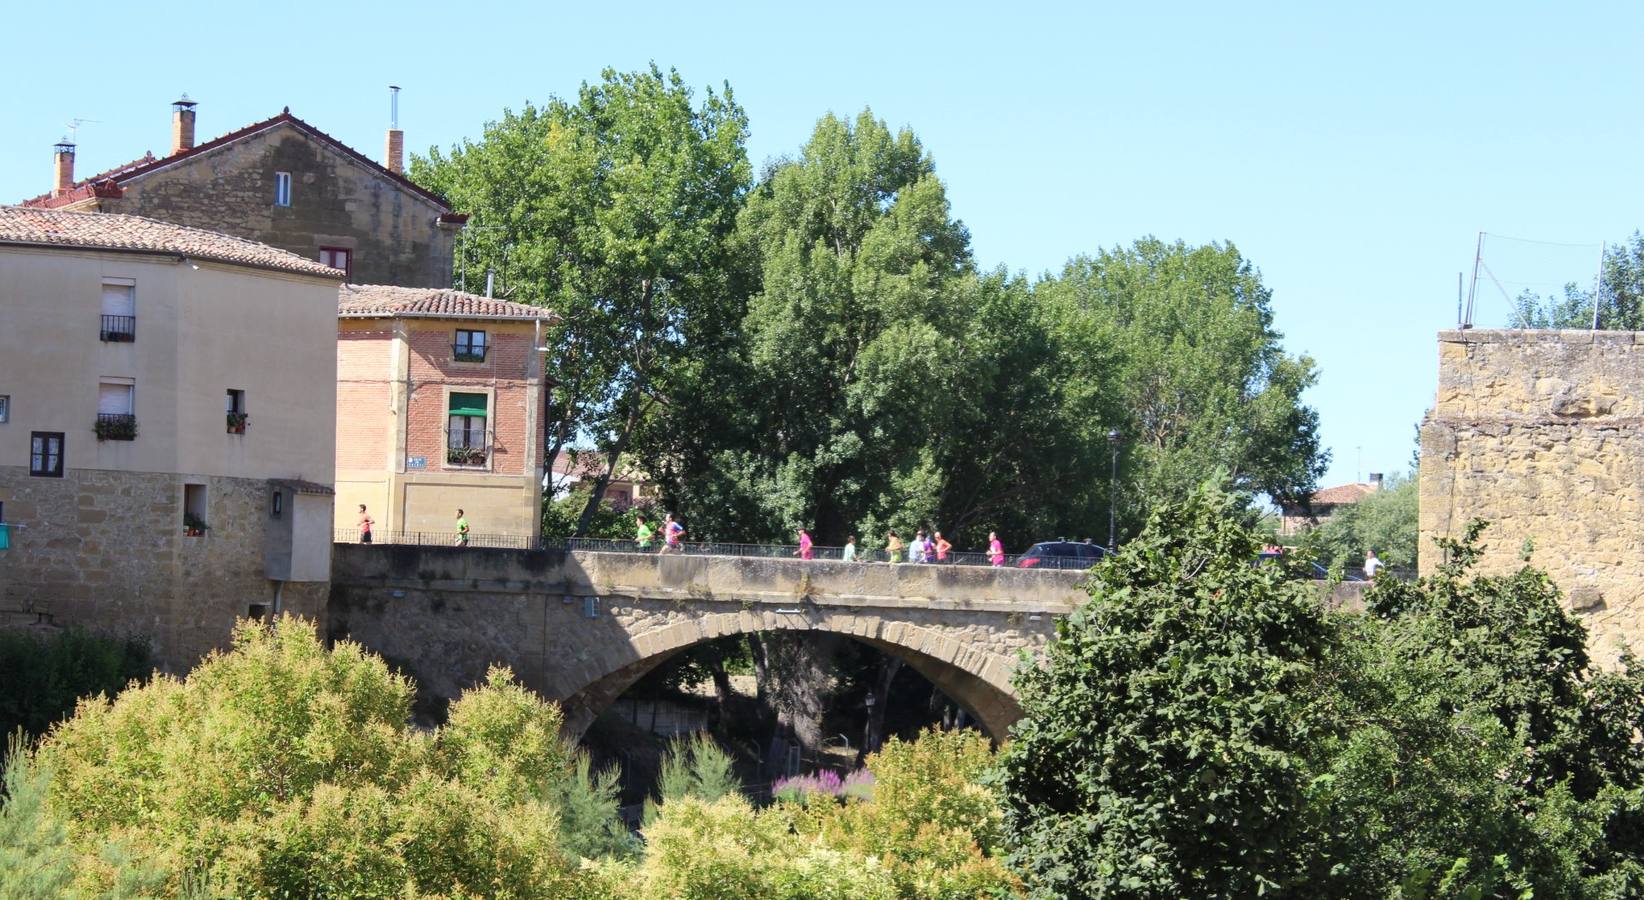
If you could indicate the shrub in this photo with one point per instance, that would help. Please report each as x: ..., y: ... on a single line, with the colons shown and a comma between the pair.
x: 282, y: 768
x: 44, y: 674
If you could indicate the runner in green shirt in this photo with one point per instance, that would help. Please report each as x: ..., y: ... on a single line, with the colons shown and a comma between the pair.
x: 643, y: 533
x: 462, y: 529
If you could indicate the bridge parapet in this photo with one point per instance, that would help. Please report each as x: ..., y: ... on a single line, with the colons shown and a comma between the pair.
x: 743, y: 580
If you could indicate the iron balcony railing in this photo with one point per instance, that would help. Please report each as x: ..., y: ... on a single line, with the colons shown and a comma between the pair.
x: 119, y: 329
x: 468, y: 352
x: 469, y: 457
x: 116, y: 427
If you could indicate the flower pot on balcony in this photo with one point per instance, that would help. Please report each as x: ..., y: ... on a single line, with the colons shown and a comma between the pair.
x: 237, y: 423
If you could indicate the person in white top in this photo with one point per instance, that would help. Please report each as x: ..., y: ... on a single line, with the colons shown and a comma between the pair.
x: 1372, y: 565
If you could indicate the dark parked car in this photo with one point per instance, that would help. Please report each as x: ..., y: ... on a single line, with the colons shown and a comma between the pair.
x: 1314, y: 570
x: 1061, y: 555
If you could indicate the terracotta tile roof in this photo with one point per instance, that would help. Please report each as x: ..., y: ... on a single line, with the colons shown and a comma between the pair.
x: 365, y: 301
x: 117, y: 176
x: 110, y: 231
x: 1343, y: 493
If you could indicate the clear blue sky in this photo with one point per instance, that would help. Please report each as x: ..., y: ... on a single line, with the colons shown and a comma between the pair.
x: 1352, y: 153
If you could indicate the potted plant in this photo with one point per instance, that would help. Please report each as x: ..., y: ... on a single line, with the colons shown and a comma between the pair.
x: 116, y: 428
x: 236, y: 422
x: 465, y: 456
x: 193, y: 526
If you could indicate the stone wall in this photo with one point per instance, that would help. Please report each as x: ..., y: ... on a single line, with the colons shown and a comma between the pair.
x: 1540, y: 433
x: 336, y: 201
x: 582, y: 627
x: 106, y: 550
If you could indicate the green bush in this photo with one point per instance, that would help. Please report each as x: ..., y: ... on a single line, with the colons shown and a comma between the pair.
x: 283, y: 768
x: 1202, y: 728
x: 44, y: 674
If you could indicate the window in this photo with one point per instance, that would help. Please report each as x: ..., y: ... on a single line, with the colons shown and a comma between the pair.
x: 119, y: 310
x: 465, y: 438
x: 194, y: 509
x: 116, y: 410
x: 338, y: 258
x: 282, y: 188
x: 276, y: 504
x: 236, y: 411
x: 46, y: 454
x: 5, y: 408
x: 470, y: 346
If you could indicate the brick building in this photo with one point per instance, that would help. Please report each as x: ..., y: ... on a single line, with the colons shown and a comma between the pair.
x: 166, y: 441
x: 440, y: 402
x: 285, y: 183
x: 1299, y: 517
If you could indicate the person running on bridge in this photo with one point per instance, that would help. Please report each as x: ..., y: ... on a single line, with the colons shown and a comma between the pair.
x: 996, y: 550
x: 673, y: 535
x: 462, y: 529
x: 805, y: 546
x: 850, y: 549
x: 643, y: 533
x: 1372, y: 565
x: 919, y: 550
x: 943, y: 547
x: 893, y: 548
x: 365, y: 525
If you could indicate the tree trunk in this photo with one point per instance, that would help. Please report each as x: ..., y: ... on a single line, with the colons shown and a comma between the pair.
x: 873, y: 736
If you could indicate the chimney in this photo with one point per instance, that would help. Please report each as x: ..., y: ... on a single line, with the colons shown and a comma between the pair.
x: 63, y: 154
x: 1375, y: 481
x: 395, y: 153
x: 182, y: 125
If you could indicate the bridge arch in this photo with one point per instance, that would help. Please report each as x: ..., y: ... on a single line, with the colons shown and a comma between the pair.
x: 581, y: 627
x: 975, y: 677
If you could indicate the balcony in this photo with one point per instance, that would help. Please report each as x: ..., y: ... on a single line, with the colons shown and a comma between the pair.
x: 467, y: 457
x: 468, y: 353
x: 237, y: 422
x: 116, y: 427
x: 119, y: 329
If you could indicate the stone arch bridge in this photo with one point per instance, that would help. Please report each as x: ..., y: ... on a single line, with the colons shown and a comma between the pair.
x: 581, y: 627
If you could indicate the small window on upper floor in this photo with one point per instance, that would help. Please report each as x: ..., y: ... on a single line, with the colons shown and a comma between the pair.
x: 237, y: 417
x: 5, y: 408
x: 282, y: 188
x: 338, y: 258
x: 470, y: 346
x: 119, y: 310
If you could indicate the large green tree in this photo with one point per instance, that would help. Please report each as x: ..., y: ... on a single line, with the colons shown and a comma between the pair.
x: 1203, y: 728
x: 1181, y: 343
x: 849, y: 343
x: 616, y: 211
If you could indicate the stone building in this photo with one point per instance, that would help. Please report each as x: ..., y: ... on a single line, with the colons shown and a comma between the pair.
x: 166, y: 429
x: 1295, y: 518
x: 1541, y: 433
x: 285, y: 183
x: 440, y: 404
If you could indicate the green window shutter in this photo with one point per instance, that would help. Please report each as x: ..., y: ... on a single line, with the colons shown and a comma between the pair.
x: 467, y: 404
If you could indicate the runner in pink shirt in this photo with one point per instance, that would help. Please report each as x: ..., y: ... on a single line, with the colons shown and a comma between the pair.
x: 996, y: 550
x: 805, y: 551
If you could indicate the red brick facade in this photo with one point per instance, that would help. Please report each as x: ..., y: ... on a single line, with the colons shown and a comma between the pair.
x: 435, y: 374
x: 365, y: 430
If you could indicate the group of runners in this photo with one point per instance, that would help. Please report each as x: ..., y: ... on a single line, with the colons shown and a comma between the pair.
x: 932, y: 549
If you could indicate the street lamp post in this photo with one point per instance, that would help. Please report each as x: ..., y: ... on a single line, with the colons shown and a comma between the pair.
x: 1113, y: 492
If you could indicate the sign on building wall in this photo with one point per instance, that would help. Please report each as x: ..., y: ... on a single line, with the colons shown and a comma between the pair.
x: 416, y: 462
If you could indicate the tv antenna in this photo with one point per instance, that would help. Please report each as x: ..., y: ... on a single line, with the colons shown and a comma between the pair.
x: 74, y: 127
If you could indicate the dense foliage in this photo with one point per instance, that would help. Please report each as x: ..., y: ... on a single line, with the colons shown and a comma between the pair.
x: 45, y: 674
x: 282, y: 768
x: 819, y: 349
x: 1204, y: 728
